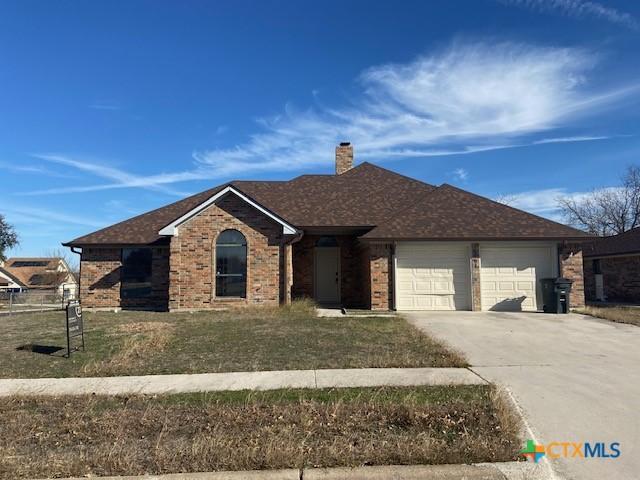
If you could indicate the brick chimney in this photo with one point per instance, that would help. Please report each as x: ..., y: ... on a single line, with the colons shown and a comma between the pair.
x: 344, y: 157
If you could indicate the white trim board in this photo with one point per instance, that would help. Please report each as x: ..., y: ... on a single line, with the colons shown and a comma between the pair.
x: 172, y: 228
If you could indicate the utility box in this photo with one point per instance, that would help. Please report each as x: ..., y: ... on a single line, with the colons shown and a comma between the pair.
x: 556, y: 295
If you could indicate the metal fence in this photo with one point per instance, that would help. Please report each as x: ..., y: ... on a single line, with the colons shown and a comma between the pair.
x: 34, y: 301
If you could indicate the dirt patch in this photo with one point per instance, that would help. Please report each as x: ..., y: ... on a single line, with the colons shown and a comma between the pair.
x: 252, y: 430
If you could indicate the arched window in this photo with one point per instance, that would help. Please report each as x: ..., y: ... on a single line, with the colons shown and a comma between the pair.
x: 231, y: 264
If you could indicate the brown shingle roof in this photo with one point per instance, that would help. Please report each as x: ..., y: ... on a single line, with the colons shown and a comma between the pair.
x: 36, y: 272
x: 450, y: 213
x: 363, y: 196
x: 366, y: 196
x: 12, y: 277
x: 143, y: 229
x: 621, y: 244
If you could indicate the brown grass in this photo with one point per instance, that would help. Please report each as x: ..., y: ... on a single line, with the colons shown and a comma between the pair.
x: 251, y: 339
x: 143, y: 340
x: 77, y: 436
x: 615, y: 313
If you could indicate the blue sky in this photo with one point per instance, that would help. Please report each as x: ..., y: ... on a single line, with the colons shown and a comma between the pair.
x: 109, y: 109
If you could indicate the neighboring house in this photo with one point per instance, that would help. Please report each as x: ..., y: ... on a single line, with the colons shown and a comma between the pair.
x: 365, y: 237
x: 43, y: 273
x: 9, y: 282
x: 612, y: 268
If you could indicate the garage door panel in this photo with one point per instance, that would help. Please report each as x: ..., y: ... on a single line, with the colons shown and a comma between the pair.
x: 510, y: 276
x: 432, y: 276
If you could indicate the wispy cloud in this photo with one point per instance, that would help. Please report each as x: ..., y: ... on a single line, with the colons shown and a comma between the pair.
x: 33, y: 169
x: 578, y: 9
x: 461, y: 174
x: 122, y: 178
x: 571, y: 139
x: 470, y: 97
x: 21, y: 215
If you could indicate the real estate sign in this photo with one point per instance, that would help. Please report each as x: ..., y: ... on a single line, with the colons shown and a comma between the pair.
x: 75, y: 326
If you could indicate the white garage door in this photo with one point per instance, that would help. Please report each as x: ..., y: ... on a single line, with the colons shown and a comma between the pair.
x: 432, y: 276
x: 509, y: 276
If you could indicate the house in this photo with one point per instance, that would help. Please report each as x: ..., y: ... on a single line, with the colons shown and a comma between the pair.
x: 612, y: 268
x: 42, y: 273
x: 365, y: 237
x: 9, y: 282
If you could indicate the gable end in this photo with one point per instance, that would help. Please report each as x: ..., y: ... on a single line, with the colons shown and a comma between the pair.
x: 172, y: 228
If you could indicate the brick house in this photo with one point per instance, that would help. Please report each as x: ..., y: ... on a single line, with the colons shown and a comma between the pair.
x: 612, y: 268
x: 365, y: 237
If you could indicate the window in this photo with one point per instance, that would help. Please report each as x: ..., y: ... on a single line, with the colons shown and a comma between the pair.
x: 597, y: 269
x: 135, y: 279
x: 231, y: 264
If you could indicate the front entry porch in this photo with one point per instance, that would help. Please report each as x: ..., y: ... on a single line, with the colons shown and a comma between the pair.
x: 335, y: 270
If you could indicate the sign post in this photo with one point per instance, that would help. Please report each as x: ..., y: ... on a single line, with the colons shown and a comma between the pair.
x: 75, y: 326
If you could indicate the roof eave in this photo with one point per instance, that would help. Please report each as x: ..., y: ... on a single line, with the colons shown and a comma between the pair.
x: 397, y: 238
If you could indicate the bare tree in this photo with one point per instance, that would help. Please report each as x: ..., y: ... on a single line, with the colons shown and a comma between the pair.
x: 70, y: 259
x: 506, y: 199
x: 606, y: 211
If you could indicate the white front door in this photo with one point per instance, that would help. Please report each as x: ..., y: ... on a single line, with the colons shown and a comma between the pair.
x: 433, y: 276
x: 510, y: 276
x: 327, y: 277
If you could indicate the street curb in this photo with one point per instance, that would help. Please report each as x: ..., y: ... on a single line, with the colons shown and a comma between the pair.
x: 484, y: 471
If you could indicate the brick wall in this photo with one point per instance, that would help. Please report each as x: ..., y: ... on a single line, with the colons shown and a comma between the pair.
x: 100, y: 279
x: 192, y: 269
x: 570, y: 257
x: 381, y: 276
x: 353, y: 280
x: 621, y: 278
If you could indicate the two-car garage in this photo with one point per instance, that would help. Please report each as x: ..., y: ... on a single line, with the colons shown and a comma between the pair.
x: 437, y: 275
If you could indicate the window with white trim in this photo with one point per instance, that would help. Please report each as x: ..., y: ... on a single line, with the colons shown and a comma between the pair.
x: 231, y: 264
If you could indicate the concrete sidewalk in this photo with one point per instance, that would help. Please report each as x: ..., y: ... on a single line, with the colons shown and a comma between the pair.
x: 485, y: 471
x: 210, y: 382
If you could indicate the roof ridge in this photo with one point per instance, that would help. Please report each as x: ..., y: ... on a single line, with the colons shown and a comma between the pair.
x: 386, y: 170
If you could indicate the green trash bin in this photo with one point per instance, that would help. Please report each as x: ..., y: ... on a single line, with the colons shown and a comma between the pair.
x: 556, y: 295
x: 563, y: 294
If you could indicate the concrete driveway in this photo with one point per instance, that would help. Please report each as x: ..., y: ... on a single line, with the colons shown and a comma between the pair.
x: 576, y: 378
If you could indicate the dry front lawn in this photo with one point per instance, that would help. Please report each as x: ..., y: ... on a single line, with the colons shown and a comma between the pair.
x: 143, y: 343
x: 615, y: 314
x: 77, y: 436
